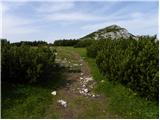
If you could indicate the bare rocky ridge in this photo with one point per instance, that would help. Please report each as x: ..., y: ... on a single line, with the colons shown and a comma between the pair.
x: 113, y: 32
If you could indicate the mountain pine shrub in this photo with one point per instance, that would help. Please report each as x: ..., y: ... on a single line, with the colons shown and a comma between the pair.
x: 133, y: 63
x: 25, y: 64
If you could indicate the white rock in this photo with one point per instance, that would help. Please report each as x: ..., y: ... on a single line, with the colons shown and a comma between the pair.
x: 81, y: 60
x: 84, y: 85
x: 67, y: 83
x: 89, y: 94
x: 89, y: 79
x: 56, y: 53
x: 82, y: 73
x: 81, y: 78
x: 63, y: 103
x: 75, y: 64
x: 93, y: 95
x: 91, y: 86
x: 53, y: 93
x: 81, y: 92
x: 85, y: 90
x: 102, y: 81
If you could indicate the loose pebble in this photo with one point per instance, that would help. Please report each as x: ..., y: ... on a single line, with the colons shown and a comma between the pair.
x: 93, y: 95
x: 63, y: 103
x: 86, y: 90
x: 53, y: 93
x: 82, y: 73
x: 102, y: 81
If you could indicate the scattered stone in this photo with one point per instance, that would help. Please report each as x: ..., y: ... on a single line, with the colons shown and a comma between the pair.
x: 75, y: 64
x: 81, y: 92
x: 83, y: 85
x: 57, y: 60
x: 91, y: 86
x: 63, y: 103
x: 67, y: 83
x: 61, y: 65
x: 81, y: 60
x: 53, y: 93
x: 89, y: 94
x: 64, y: 62
x: 93, y: 95
x: 97, y: 95
x: 82, y: 74
x: 56, y: 53
x: 88, y: 79
x: 102, y: 81
x: 81, y: 78
x: 85, y: 90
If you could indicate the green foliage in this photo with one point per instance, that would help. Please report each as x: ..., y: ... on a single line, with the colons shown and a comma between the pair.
x: 34, y: 43
x: 25, y: 64
x: 122, y: 102
x: 84, y: 43
x: 130, y: 62
x: 65, y: 42
x: 93, y: 49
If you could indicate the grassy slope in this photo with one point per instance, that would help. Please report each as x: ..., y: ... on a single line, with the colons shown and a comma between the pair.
x: 29, y: 101
x: 32, y: 101
x: 121, y: 100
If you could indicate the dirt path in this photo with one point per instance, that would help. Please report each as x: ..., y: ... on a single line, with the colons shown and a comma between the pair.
x: 78, y: 91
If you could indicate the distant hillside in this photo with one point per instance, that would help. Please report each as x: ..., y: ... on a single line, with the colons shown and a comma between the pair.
x: 113, y: 31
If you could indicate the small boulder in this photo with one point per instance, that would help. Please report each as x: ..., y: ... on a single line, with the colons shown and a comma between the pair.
x: 62, y: 103
x: 53, y: 93
x: 93, y: 95
x: 56, y: 53
x: 82, y: 73
x: 89, y: 79
x: 102, y: 81
x: 85, y: 90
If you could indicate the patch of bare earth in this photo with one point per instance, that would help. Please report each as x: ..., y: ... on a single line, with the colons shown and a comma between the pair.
x: 78, y: 92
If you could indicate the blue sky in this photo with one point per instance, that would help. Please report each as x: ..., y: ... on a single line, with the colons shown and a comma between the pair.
x: 51, y: 20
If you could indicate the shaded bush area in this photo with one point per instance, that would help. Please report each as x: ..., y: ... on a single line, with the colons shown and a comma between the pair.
x: 75, y: 43
x: 133, y: 63
x: 65, y: 42
x: 84, y: 43
x: 30, y: 43
x: 25, y: 64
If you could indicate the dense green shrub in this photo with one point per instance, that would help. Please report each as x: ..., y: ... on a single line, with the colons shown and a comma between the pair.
x: 64, y: 42
x: 31, y: 43
x: 84, y: 43
x: 92, y: 50
x: 25, y: 64
x: 134, y: 63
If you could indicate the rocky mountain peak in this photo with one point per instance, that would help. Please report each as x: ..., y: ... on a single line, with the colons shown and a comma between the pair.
x: 113, y: 27
x: 113, y: 32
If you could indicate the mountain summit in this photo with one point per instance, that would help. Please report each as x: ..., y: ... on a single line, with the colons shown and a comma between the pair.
x: 113, y: 32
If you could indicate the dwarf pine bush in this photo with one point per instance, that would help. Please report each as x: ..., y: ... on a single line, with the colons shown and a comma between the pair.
x: 25, y: 64
x: 133, y: 63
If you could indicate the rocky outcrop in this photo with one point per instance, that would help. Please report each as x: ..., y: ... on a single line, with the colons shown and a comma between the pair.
x: 113, y: 32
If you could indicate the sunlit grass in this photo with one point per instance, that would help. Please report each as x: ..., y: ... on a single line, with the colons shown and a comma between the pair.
x: 121, y: 100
